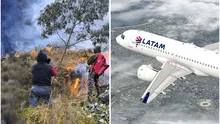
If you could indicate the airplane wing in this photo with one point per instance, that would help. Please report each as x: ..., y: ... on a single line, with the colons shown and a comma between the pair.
x: 167, y: 75
x: 214, y: 46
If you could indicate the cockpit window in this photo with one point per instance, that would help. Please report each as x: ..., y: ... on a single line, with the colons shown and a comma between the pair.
x: 123, y: 36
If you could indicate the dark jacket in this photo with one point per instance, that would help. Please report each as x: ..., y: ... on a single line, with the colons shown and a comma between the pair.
x: 42, y: 71
x: 92, y: 59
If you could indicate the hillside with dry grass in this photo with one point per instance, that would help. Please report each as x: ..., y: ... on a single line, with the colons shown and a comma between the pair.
x: 67, y: 108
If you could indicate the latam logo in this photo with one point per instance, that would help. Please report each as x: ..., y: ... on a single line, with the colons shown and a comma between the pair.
x: 138, y: 39
x: 149, y: 42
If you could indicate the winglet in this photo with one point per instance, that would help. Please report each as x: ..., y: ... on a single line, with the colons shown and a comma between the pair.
x: 146, y: 97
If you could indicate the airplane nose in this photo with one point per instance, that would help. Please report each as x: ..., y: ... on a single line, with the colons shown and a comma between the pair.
x: 121, y: 40
x: 118, y: 39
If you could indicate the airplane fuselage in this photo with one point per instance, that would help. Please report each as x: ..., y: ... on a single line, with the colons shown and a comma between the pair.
x: 202, y: 62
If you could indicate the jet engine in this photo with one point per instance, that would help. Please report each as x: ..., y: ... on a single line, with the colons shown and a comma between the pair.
x: 146, y: 72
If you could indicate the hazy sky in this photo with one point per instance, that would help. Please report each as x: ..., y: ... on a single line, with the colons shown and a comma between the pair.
x: 20, y: 31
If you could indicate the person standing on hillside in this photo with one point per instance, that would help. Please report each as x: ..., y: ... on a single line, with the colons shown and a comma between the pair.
x: 98, y: 65
x: 81, y: 68
x: 42, y: 72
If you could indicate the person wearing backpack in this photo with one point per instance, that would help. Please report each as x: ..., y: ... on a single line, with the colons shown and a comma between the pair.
x: 98, y: 65
x: 42, y: 72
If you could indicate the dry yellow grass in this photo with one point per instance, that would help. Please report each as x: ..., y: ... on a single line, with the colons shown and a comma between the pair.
x: 65, y: 110
x: 66, y: 107
x: 71, y: 57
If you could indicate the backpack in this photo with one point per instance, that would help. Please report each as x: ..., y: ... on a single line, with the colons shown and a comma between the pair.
x: 100, y: 65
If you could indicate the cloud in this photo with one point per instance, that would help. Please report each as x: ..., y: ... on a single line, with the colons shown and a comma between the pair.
x: 197, y: 13
x: 191, y: 15
x: 119, y: 5
x: 187, y: 122
x: 200, y: 13
x: 169, y: 116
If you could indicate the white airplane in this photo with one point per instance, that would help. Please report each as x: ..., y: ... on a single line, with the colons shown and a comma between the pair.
x: 179, y: 59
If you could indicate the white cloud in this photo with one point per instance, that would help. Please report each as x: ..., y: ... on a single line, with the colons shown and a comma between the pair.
x: 118, y: 5
x: 208, y: 1
x: 174, y: 117
x: 187, y: 122
x: 198, y: 14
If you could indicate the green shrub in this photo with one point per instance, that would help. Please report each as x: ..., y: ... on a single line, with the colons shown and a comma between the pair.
x: 5, y: 76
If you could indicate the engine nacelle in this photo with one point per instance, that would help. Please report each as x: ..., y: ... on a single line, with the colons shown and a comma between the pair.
x: 146, y: 72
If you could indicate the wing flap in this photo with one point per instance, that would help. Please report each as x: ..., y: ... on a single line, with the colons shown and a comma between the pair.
x: 214, y: 46
x: 167, y: 75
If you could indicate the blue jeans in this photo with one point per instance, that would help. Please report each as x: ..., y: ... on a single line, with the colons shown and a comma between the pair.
x: 38, y: 92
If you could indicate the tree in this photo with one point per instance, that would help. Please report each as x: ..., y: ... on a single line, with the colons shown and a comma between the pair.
x: 101, y: 35
x: 75, y: 18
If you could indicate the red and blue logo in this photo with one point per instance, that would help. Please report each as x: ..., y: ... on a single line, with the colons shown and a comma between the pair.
x: 138, y: 39
x: 151, y: 43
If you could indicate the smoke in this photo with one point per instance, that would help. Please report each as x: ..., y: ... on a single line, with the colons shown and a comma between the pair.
x: 20, y: 31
